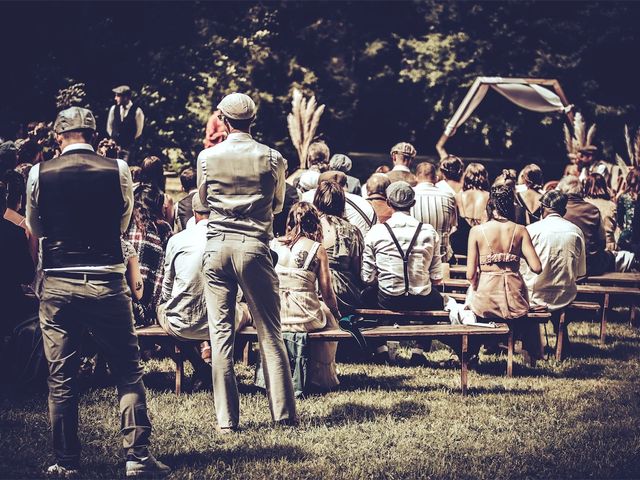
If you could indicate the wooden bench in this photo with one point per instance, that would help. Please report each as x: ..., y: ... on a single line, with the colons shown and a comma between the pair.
x: 600, y: 290
x: 416, y: 332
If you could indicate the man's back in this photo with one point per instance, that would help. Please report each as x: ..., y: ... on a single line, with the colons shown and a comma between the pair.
x: 382, y: 259
x: 587, y: 217
x: 244, y: 186
x: 561, y: 248
x: 437, y: 208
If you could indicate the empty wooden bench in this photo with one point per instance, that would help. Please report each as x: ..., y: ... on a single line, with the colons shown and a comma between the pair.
x: 416, y: 332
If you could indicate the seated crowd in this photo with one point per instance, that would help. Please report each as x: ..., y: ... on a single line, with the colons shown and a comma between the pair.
x: 341, y: 245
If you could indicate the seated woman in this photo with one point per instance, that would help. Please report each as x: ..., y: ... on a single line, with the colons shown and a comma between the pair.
x: 472, y: 205
x: 343, y: 243
x: 626, y: 210
x: 497, y: 290
x: 149, y: 233
x: 529, y: 193
x: 303, y: 261
x: 596, y: 192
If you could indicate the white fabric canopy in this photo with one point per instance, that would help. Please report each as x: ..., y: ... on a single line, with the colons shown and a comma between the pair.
x: 526, y: 95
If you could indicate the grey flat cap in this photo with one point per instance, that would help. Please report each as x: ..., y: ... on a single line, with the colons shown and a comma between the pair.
x: 404, y: 148
x: 121, y: 89
x: 400, y: 195
x: 74, y: 118
x: 341, y: 163
x: 237, y: 106
x: 555, y: 200
x: 198, y: 206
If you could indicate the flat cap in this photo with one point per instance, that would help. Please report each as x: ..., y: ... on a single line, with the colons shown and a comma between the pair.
x: 309, y: 180
x: 341, y: 163
x: 121, y: 89
x: 592, y: 149
x: 555, y: 200
x: 400, y: 195
x: 74, y: 118
x: 404, y: 148
x: 198, y: 206
x: 237, y: 106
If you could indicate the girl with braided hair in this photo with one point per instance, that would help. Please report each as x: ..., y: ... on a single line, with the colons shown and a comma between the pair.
x: 303, y: 261
x: 497, y: 290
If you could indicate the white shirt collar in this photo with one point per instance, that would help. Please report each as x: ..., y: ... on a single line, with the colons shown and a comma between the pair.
x: 401, y: 168
x: 239, y: 135
x: 426, y: 184
x: 77, y: 146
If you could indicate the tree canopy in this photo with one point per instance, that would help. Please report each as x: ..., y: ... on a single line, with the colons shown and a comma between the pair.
x: 386, y: 71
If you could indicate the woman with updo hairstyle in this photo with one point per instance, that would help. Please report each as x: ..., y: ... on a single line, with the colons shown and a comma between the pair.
x: 451, y: 170
x: 529, y: 192
x: 152, y: 173
x: 472, y: 205
x: 596, y: 192
x: 303, y: 261
x: 149, y: 234
x: 343, y: 243
x: 497, y: 290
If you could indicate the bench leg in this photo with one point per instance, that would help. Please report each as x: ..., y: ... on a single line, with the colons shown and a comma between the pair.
x: 246, y: 351
x: 179, y: 369
x: 560, y: 338
x: 464, y: 361
x: 510, y: 354
x: 603, y: 321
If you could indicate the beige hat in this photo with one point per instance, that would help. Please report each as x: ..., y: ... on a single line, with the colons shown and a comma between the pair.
x: 74, y: 118
x: 237, y: 106
x: 122, y: 89
x: 404, y: 148
x: 198, y: 206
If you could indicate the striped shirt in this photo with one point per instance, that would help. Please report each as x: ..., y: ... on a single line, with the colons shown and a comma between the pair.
x: 437, y: 208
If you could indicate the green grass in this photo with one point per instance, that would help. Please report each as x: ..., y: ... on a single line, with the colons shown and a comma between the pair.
x: 577, y: 419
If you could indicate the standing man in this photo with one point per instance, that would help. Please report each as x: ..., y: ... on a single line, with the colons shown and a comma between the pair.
x: 435, y: 207
x: 125, y: 122
x: 561, y: 248
x: 402, y: 154
x: 84, y: 287
x: 243, y: 184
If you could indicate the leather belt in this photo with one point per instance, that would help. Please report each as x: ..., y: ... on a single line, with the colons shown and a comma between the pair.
x: 86, y: 276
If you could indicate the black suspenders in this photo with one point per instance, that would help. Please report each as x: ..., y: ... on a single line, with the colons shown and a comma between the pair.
x: 405, y: 255
x: 362, y: 214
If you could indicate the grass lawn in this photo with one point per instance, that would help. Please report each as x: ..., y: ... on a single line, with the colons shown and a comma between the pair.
x: 577, y: 419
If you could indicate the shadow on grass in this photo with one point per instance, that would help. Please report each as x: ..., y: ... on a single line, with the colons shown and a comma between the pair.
x: 360, y: 381
x: 351, y: 412
x: 230, y: 456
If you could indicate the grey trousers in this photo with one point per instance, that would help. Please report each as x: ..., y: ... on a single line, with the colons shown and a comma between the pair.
x: 67, y: 307
x: 232, y: 260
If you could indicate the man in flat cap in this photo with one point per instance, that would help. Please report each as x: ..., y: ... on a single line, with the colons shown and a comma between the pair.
x: 561, y: 247
x: 243, y: 184
x: 342, y: 163
x: 402, y: 154
x: 84, y: 287
x: 125, y: 122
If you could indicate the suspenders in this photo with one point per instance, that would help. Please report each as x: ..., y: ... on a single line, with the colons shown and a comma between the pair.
x: 405, y: 255
x: 368, y: 220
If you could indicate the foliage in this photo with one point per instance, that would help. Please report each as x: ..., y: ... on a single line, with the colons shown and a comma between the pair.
x: 72, y: 96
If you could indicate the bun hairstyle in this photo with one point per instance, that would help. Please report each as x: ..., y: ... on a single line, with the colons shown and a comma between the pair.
x: 502, y: 202
x: 507, y: 177
x: 303, y: 221
x: 452, y: 167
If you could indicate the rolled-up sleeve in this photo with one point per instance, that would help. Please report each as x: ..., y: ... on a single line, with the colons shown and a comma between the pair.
x: 33, y: 212
x: 169, y: 273
x: 582, y: 257
x: 126, y: 187
x: 435, y: 269
x: 201, y: 177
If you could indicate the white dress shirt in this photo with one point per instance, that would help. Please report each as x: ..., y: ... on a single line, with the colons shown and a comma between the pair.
x: 381, y: 260
x: 350, y: 213
x: 33, y: 212
x: 561, y: 248
x: 445, y: 187
x: 437, y: 208
x: 124, y: 110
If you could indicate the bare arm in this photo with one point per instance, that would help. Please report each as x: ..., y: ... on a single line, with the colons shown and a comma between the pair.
x: 529, y: 253
x: 134, y: 278
x: 324, y: 282
x: 473, y: 257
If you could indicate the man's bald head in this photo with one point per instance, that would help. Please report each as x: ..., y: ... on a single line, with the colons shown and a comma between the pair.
x: 377, y: 184
x: 426, y: 172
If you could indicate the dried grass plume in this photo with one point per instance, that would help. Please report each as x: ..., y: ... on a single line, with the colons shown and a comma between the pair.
x: 303, y: 123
